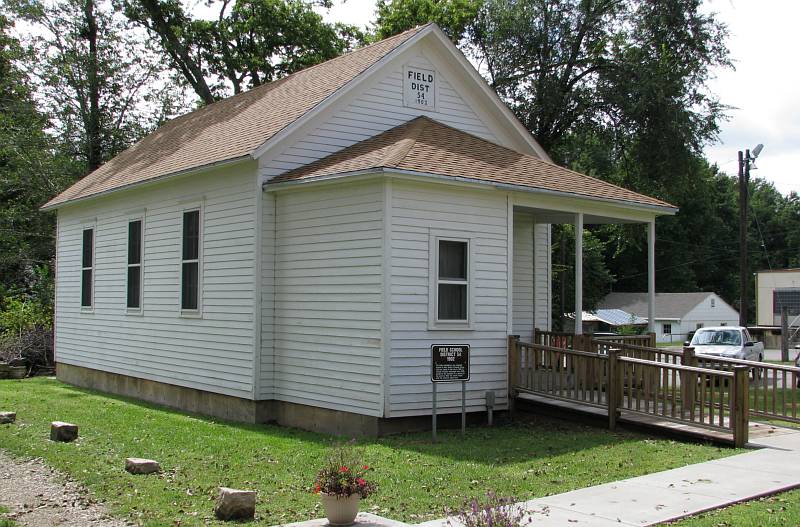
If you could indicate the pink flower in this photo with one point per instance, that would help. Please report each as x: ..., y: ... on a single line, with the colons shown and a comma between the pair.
x: 361, y: 482
x: 343, y: 469
x: 365, y: 467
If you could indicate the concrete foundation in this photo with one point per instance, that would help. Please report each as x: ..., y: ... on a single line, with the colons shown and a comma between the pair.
x: 231, y: 408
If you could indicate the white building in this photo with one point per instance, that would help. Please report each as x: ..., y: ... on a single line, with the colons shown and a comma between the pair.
x: 291, y: 253
x: 676, y: 314
x: 775, y: 289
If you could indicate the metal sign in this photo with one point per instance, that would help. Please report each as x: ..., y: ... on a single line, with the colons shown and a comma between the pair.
x: 450, y: 362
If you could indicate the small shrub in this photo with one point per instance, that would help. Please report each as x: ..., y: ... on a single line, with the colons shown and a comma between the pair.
x: 344, y: 474
x: 492, y: 512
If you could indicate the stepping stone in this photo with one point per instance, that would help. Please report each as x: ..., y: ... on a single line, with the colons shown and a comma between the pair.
x: 136, y: 465
x: 63, y: 432
x: 7, y: 417
x: 233, y: 504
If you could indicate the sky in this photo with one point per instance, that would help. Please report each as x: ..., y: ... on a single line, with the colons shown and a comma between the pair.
x: 764, y: 89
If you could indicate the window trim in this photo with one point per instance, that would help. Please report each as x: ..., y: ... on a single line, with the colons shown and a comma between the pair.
x: 665, y: 326
x: 191, y: 313
x: 433, y: 287
x: 135, y: 310
x: 85, y: 227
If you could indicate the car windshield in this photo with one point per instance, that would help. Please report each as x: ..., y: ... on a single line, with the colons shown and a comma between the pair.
x: 722, y: 337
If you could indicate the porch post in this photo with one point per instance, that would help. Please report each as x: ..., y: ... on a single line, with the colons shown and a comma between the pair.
x: 579, y: 273
x: 651, y: 276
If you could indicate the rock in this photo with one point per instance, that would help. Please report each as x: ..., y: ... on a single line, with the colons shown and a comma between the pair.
x: 64, y: 432
x: 7, y: 417
x: 235, y: 504
x: 136, y: 465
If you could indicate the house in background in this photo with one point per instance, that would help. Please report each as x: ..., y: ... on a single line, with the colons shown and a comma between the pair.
x: 609, y: 320
x: 677, y: 314
x: 292, y: 253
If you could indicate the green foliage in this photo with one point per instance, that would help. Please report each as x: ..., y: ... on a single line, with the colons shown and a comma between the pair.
x: 20, y: 314
x: 417, y: 478
x: 250, y: 43
x: 345, y: 474
x: 453, y: 16
x: 102, y: 84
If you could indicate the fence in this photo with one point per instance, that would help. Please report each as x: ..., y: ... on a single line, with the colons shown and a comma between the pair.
x: 584, y: 342
x: 773, y: 387
x: 634, y: 379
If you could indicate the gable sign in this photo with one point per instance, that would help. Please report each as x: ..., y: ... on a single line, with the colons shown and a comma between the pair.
x: 419, y: 88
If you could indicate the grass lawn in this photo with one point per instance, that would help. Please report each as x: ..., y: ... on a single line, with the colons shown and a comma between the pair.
x: 5, y: 522
x: 782, y: 509
x: 417, y: 479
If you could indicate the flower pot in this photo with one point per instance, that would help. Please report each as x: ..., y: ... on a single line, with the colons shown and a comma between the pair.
x: 340, y: 511
x: 17, y: 372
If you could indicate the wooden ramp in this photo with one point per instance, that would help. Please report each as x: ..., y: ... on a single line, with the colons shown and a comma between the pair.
x: 561, y: 408
x: 676, y: 392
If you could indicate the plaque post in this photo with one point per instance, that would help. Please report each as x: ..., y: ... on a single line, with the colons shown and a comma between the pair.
x: 463, y: 407
x: 433, y: 414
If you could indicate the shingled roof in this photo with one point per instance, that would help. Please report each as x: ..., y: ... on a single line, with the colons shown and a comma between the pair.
x: 668, y: 305
x: 426, y: 146
x: 231, y: 128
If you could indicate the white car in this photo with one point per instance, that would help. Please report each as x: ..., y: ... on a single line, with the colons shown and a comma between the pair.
x: 730, y: 342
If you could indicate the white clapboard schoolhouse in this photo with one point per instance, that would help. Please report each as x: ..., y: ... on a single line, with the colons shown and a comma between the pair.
x: 292, y: 253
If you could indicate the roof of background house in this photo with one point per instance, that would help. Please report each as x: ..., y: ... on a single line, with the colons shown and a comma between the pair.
x: 426, y: 146
x: 613, y: 317
x: 668, y: 305
x: 231, y: 128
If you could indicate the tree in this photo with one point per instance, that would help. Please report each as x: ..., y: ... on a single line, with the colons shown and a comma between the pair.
x: 31, y: 171
x: 102, y: 83
x: 250, y: 43
x: 453, y: 16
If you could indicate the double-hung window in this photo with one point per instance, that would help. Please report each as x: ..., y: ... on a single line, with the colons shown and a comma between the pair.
x: 190, y: 262
x: 134, y: 295
x: 450, y: 291
x: 87, y: 269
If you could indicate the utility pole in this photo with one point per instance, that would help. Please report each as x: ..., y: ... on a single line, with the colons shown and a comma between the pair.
x: 743, y: 174
x: 744, y: 180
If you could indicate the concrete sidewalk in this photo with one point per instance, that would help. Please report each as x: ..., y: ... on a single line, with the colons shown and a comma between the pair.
x: 662, y: 496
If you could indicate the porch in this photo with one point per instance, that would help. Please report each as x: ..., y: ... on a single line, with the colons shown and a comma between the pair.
x: 530, y: 299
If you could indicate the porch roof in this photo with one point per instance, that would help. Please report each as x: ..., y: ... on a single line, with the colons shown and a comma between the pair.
x: 423, y: 145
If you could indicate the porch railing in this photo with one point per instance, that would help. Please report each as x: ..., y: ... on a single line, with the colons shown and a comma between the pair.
x: 622, y: 379
x: 774, y: 389
x: 582, y: 342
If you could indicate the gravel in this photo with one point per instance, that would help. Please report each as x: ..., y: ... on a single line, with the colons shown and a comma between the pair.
x: 39, y: 496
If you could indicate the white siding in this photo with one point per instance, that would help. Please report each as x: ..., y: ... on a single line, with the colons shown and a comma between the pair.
x: 379, y: 108
x: 267, y: 363
x: 523, y: 269
x: 416, y: 210
x: 214, y: 352
x: 328, y: 297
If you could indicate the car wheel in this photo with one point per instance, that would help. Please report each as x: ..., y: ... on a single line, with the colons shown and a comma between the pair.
x: 757, y: 371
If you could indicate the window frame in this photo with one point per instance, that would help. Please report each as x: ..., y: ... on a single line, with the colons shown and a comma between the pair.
x: 198, y: 312
x: 434, y: 323
x: 92, y: 226
x: 135, y: 310
x: 666, y: 328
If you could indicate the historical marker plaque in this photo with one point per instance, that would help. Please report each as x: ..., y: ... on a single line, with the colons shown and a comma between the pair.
x: 450, y: 362
x: 419, y: 88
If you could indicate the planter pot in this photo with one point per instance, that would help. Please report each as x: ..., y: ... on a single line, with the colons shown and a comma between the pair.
x: 17, y: 372
x: 340, y: 511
